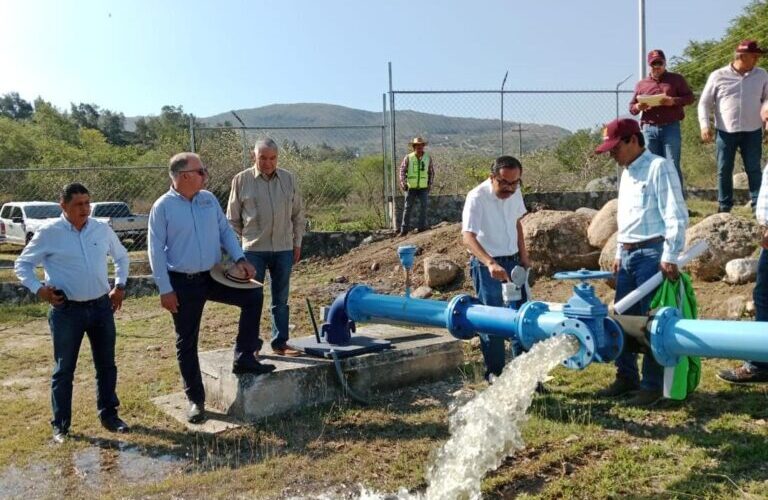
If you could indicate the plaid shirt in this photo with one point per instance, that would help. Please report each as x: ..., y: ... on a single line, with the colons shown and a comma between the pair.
x: 651, y: 204
x: 761, y: 210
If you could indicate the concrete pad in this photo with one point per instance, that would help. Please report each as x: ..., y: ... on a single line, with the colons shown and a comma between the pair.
x: 304, y: 381
x: 176, y: 405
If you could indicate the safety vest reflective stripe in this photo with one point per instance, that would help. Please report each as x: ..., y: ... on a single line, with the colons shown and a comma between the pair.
x: 418, y: 171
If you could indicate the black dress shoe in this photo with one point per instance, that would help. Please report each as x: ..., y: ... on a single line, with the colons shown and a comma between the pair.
x: 60, y: 435
x: 114, y: 424
x: 196, y: 413
x: 256, y: 369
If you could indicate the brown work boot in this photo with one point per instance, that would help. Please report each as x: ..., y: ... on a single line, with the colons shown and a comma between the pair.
x: 645, y: 397
x: 619, y: 387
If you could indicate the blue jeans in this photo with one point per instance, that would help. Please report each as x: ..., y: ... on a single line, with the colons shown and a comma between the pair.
x: 69, y: 322
x: 751, y: 146
x: 193, y: 291
x: 411, y: 197
x: 760, y: 296
x: 488, y: 291
x: 637, y: 266
x: 279, y: 265
x: 664, y: 140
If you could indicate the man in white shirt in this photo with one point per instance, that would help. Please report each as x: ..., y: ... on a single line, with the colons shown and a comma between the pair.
x: 73, y: 251
x: 736, y: 93
x: 491, y: 230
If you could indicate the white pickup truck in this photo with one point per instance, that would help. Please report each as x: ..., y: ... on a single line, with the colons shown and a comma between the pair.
x: 126, y: 225
x: 20, y: 219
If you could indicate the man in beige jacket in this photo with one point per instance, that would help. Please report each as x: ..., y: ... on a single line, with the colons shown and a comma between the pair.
x: 265, y: 208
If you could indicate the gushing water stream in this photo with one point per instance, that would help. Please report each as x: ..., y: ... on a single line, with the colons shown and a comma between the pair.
x: 486, y: 429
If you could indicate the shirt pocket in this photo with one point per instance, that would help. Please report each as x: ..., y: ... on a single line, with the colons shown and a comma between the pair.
x: 253, y: 213
x: 639, y: 197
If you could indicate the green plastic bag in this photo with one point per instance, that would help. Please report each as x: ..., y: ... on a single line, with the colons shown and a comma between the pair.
x: 684, y: 377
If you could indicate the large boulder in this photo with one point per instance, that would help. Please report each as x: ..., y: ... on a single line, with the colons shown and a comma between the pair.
x: 607, y: 256
x: 603, y: 225
x: 739, y: 271
x: 589, y: 212
x: 729, y: 237
x: 439, y: 271
x: 740, y: 181
x: 557, y: 241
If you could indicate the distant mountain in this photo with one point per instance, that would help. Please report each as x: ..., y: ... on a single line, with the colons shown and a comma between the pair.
x: 468, y: 134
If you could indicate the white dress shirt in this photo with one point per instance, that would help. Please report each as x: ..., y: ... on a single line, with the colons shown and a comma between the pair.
x: 74, y: 261
x: 493, y: 220
x: 736, y: 99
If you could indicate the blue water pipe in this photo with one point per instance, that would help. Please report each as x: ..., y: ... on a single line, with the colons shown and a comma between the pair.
x: 601, y: 338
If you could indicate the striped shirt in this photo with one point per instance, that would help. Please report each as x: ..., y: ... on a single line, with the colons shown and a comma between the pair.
x: 761, y: 209
x: 736, y: 99
x: 651, y: 204
x: 74, y: 261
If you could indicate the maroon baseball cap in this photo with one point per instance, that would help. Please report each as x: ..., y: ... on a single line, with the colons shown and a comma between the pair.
x: 656, y: 55
x: 616, y: 131
x: 749, y: 47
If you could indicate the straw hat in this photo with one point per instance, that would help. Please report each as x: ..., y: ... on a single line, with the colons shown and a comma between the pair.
x: 418, y: 140
x: 233, y: 277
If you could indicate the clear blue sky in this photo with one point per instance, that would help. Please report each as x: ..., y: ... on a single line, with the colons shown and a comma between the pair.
x: 213, y: 56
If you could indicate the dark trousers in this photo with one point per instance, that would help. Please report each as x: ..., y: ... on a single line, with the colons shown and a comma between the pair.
x: 69, y: 322
x: 193, y: 291
x: 751, y: 146
x: 488, y: 291
x: 760, y: 296
x: 411, y: 197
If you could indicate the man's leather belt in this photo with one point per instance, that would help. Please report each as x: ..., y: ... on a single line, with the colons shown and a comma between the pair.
x: 87, y: 303
x: 641, y: 244
x: 189, y: 276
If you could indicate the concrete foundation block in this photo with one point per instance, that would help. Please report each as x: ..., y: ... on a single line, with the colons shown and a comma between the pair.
x: 299, y: 382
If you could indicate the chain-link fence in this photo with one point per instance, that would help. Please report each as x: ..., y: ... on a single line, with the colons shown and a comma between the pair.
x: 342, y: 170
x: 552, y: 132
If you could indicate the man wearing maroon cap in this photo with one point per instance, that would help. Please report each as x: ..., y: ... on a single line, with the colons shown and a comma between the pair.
x: 652, y: 218
x: 661, y: 122
x: 736, y: 92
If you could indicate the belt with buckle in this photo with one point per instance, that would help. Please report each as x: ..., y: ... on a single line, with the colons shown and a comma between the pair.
x: 86, y: 303
x: 189, y: 276
x: 641, y: 244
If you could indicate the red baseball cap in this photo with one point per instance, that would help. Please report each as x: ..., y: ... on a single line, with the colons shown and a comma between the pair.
x: 656, y: 55
x: 749, y: 47
x: 616, y: 131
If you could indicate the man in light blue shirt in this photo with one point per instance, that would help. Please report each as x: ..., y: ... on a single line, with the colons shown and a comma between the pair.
x: 652, y: 218
x: 73, y: 251
x: 187, y: 229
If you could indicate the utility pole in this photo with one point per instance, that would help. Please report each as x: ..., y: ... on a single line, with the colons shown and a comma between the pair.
x: 641, y: 29
x: 520, y: 131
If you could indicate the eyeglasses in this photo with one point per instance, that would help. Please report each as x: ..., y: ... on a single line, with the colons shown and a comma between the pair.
x: 657, y: 64
x: 202, y: 172
x: 504, y: 182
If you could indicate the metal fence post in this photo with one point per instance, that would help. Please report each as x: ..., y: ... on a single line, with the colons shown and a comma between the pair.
x: 191, y: 133
x: 392, y: 124
x: 384, y: 183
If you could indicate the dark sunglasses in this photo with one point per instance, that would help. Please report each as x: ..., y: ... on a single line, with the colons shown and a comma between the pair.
x: 202, y: 172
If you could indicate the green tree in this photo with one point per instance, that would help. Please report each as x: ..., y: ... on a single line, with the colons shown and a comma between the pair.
x: 14, y: 107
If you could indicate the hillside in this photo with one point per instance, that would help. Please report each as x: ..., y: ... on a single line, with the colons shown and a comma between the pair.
x: 470, y: 134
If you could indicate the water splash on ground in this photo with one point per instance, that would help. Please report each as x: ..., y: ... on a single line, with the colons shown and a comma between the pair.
x: 487, y: 428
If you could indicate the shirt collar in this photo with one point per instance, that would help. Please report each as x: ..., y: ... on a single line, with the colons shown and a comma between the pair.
x: 640, y: 160
x: 275, y: 174
x: 71, y: 226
